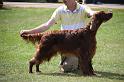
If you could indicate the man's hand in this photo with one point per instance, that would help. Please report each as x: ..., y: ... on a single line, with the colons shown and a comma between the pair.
x: 88, y: 15
x: 22, y: 32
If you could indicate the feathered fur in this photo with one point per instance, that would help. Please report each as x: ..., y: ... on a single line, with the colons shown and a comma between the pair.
x: 80, y: 43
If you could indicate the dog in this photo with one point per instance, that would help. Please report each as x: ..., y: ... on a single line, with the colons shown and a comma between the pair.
x: 80, y: 43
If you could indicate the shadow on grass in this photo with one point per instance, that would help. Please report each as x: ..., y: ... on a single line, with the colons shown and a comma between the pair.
x: 99, y: 74
x: 61, y: 74
x: 72, y: 74
x: 5, y: 8
x: 2, y: 75
x: 110, y: 75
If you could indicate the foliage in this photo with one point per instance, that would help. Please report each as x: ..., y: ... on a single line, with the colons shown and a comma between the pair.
x: 26, y: 0
x: 1, y: 3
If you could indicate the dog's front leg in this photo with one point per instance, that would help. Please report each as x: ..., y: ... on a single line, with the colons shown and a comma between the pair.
x: 37, y: 68
x: 85, y: 64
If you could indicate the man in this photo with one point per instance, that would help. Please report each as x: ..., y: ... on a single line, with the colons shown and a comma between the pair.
x: 71, y: 15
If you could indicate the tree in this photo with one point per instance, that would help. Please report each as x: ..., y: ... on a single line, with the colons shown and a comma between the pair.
x: 1, y: 3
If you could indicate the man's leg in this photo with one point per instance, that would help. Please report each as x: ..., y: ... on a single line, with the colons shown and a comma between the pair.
x: 68, y: 64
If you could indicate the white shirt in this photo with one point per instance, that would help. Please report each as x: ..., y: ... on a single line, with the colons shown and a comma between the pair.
x: 71, y: 20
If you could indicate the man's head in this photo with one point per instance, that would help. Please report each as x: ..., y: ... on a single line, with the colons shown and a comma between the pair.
x: 68, y: 2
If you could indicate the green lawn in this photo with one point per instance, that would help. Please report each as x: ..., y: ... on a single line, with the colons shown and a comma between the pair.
x: 15, y: 53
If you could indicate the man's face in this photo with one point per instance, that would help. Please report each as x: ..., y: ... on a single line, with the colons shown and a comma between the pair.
x: 67, y: 2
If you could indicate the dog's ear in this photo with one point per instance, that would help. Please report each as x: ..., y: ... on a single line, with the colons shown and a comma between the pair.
x: 93, y: 26
x: 93, y: 21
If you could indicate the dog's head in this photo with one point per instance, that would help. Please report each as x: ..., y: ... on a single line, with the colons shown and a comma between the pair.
x: 103, y: 16
x: 100, y: 17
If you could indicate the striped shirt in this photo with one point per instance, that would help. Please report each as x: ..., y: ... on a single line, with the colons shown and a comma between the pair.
x: 71, y: 20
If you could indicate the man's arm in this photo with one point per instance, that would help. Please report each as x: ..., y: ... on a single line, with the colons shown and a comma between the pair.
x: 41, y: 28
x: 89, y: 11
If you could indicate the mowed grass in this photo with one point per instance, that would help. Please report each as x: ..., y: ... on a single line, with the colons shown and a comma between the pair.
x: 15, y: 53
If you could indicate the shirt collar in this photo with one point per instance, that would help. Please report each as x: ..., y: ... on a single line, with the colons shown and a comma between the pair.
x: 77, y: 8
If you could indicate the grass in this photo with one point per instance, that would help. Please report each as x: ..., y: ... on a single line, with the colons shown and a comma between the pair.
x: 15, y: 53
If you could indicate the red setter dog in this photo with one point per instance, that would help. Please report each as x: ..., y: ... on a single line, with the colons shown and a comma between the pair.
x: 80, y: 43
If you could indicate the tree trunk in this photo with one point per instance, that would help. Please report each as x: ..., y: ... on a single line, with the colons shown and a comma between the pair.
x: 1, y: 3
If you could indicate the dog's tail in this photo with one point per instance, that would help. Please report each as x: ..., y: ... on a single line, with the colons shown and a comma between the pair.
x: 33, y: 38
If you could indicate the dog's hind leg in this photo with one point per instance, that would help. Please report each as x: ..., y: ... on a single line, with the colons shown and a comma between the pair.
x: 34, y: 61
x: 31, y: 63
x: 44, y: 53
x: 37, y: 67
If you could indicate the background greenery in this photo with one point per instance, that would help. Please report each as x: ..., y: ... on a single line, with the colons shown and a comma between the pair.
x: 15, y: 53
x: 86, y: 1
